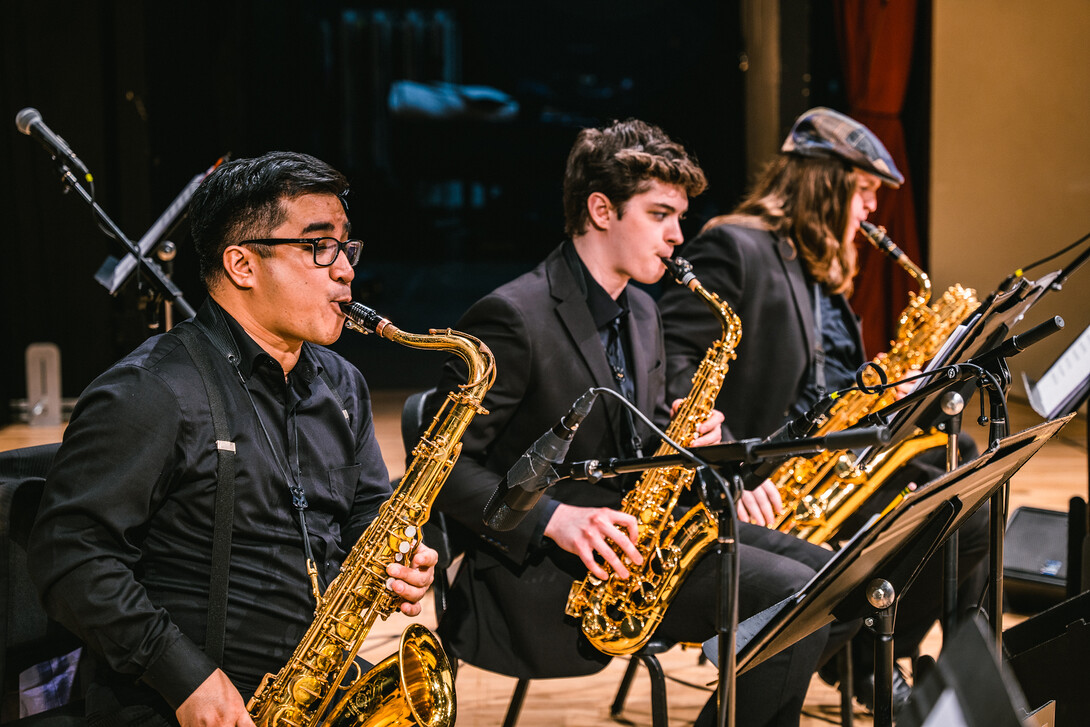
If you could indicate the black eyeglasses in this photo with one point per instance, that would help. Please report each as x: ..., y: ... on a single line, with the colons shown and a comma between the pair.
x: 326, y: 249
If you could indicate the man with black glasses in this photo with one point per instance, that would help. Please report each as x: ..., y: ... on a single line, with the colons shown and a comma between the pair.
x: 127, y: 545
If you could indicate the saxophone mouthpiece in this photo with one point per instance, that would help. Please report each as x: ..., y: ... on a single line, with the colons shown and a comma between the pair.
x: 681, y: 269
x: 362, y: 318
x: 878, y: 236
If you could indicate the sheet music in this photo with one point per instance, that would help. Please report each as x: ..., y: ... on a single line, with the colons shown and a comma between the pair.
x: 1064, y: 376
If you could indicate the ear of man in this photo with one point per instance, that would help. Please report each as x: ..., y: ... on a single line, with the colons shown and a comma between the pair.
x: 239, y: 265
x: 600, y: 210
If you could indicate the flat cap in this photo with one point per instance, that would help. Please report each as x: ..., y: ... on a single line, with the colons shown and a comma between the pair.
x: 822, y: 132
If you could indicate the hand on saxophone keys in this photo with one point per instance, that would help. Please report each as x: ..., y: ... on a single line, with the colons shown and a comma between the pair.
x: 761, y: 505
x: 709, y: 431
x: 596, y: 531
x: 411, y: 582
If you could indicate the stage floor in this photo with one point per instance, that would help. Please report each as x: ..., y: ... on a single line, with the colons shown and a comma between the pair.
x: 1047, y: 481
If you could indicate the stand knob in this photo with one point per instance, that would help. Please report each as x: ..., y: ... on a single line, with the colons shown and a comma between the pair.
x: 952, y: 403
x: 880, y: 593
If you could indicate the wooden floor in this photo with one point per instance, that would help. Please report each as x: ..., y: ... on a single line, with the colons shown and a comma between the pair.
x: 1048, y: 481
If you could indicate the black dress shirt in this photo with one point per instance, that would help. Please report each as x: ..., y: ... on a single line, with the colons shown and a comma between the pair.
x: 122, y: 546
x: 841, y: 354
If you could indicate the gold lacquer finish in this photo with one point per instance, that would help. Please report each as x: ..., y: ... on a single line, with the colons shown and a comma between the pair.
x: 321, y: 683
x: 620, y: 616
x: 820, y: 492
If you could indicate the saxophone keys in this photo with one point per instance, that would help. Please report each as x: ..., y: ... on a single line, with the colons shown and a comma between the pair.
x: 631, y: 627
x: 306, y: 690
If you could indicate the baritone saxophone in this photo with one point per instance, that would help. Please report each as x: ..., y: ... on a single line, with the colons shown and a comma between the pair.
x: 820, y: 492
x: 321, y: 684
x: 620, y: 616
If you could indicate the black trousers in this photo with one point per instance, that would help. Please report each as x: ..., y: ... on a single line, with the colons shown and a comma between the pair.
x: 772, y: 566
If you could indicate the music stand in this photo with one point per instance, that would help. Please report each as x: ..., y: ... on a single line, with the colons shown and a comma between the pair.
x: 867, y: 576
x: 1064, y: 387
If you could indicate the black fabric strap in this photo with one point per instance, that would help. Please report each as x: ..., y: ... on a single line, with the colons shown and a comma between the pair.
x: 225, y: 495
x: 819, y: 345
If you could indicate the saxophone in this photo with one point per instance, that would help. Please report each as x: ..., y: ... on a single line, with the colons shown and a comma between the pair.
x: 415, y: 685
x: 619, y: 616
x: 820, y: 492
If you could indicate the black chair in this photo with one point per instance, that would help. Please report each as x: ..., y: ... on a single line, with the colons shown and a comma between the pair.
x: 29, y: 637
x: 437, y: 536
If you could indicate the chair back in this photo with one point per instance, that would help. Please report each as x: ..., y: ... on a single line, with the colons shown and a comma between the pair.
x: 29, y: 636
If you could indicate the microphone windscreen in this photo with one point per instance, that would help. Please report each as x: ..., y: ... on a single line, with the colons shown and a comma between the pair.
x: 26, y: 118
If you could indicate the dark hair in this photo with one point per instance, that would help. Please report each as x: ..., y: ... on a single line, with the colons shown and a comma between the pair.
x: 619, y: 161
x: 805, y: 200
x: 241, y: 199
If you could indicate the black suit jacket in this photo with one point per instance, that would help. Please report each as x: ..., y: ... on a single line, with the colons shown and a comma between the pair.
x: 506, y: 609
x: 763, y: 281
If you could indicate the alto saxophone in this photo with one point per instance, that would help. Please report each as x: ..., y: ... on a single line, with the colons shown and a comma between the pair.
x: 416, y: 685
x: 620, y: 615
x: 820, y: 492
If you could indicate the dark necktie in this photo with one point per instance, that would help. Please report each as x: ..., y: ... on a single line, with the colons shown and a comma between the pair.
x: 624, y: 382
x: 615, y: 355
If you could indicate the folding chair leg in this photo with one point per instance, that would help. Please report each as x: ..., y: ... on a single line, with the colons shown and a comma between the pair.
x: 658, y: 690
x: 515, y: 706
x: 626, y: 684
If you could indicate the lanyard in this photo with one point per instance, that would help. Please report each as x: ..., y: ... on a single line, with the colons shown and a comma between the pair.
x: 222, y: 340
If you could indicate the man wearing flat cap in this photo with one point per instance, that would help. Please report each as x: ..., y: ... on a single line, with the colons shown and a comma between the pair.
x: 784, y: 260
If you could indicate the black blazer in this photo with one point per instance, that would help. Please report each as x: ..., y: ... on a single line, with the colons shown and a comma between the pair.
x: 763, y: 281
x: 506, y: 609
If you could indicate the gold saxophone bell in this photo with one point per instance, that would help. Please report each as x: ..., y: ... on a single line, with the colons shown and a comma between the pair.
x: 414, y: 686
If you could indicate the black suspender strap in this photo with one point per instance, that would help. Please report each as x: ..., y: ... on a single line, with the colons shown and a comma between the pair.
x: 225, y: 495
x: 819, y: 346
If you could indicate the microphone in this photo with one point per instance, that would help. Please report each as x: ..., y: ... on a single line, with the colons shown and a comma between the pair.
x: 29, y: 121
x: 1020, y: 342
x: 797, y: 428
x: 534, y: 472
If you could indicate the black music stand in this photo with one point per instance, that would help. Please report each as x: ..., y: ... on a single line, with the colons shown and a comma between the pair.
x: 868, y: 575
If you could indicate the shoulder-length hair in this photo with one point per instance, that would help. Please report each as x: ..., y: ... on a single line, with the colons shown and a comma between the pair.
x: 805, y: 201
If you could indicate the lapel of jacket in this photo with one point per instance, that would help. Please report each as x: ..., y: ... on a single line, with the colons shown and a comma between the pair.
x: 800, y: 292
x: 571, y: 308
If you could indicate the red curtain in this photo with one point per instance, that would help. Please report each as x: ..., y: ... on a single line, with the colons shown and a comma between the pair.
x: 876, y: 38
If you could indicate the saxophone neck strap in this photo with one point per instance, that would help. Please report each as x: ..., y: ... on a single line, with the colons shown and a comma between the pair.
x: 225, y: 493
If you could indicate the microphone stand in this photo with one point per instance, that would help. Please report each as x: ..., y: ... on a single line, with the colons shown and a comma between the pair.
x: 161, y: 284
x: 720, y: 501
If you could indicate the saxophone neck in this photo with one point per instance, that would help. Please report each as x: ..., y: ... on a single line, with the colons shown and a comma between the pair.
x: 878, y: 237
x: 682, y: 271
x: 477, y: 355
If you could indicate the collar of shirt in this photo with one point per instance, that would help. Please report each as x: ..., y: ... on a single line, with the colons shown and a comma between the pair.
x: 252, y: 357
x: 603, y: 309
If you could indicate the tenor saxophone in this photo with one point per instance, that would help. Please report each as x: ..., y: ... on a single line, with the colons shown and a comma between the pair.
x: 820, y: 492
x: 321, y: 683
x: 620, y: 615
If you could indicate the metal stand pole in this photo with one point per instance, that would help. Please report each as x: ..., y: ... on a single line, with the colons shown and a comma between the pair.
x: 952, y: 404
x: 881, y: 595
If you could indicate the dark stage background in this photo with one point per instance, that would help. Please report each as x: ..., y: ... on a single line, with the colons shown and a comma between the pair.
x: 450, y: 205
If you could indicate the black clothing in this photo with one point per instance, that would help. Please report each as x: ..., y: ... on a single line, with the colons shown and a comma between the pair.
x: 122, y: 545
x: 764, y: 283
x: 840, y: 354
x: 506, y: 609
